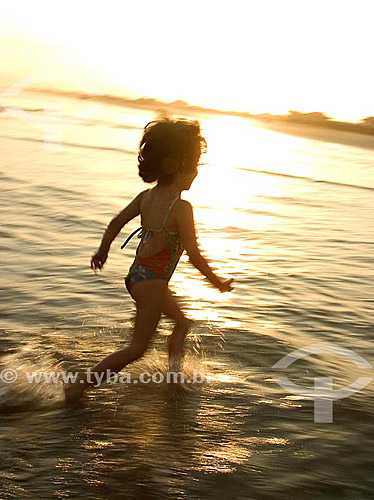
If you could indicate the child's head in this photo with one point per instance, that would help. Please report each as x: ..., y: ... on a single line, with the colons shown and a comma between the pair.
x: 170, y: 150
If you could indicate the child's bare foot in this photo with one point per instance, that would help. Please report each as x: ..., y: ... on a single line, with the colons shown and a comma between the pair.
x: 175, y: 364
x: 73, y: 392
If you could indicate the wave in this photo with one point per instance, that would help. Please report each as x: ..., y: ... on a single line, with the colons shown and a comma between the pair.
x: 81, y: 121
x: 309, y: 179
x: 132, y: 152
x: 72, y: 144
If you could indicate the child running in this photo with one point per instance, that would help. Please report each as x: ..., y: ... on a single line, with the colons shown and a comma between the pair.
x: 169, y: 154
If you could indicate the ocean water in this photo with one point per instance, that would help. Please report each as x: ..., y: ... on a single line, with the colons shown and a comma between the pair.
x: 290, y: 219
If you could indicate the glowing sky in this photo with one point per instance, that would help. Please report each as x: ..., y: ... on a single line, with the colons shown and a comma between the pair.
x: 257, y: 56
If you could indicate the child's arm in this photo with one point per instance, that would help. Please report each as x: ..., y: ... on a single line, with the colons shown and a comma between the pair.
x: 112, y: 230
x: 186, y: 227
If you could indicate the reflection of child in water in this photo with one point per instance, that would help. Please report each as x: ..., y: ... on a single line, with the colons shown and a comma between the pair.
x: 169, y: 155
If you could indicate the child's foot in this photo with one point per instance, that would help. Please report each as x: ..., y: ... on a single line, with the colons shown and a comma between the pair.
x: 73, y: 392
x: 175, y: 364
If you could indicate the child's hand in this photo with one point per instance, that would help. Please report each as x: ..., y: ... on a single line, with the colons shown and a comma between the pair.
x: 226, y: 286
x: 98, y: 260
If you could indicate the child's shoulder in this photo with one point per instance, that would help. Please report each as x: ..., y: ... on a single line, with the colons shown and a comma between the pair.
x: 143, y: 195
x: 183, y: 207
x: 183, y: 204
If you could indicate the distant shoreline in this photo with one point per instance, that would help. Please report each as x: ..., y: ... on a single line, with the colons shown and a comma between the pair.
x: 318, y: 133
x: 311, y: 125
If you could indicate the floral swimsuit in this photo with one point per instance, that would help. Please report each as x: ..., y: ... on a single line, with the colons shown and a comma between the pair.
x: 159, y: 265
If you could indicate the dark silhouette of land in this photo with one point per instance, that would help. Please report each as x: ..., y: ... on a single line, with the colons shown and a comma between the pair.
x: 315, y: 125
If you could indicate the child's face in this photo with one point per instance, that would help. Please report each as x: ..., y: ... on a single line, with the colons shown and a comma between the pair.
x: 187, y: 178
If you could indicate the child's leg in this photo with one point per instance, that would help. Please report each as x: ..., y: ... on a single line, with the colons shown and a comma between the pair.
x: 176, y: 339
x: 150, y: 297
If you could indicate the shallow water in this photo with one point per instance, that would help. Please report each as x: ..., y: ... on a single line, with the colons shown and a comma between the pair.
x: 297, y: 238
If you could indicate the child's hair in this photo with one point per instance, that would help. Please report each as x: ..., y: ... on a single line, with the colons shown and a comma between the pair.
x: 165, y: 140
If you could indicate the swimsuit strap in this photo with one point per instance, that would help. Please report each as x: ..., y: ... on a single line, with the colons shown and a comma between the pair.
x: 162, y: 229
x: 168, y: 212
x: 129, y: 237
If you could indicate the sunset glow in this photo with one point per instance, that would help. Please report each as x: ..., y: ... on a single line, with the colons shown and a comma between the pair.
x: 259, y: 57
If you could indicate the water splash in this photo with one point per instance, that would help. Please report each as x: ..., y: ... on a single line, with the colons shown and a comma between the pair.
x: 155, y: 363
x: 23, y: 394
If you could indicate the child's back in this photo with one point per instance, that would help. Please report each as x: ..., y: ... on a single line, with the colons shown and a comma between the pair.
x: 160, y: 247
x: 154, y: 207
